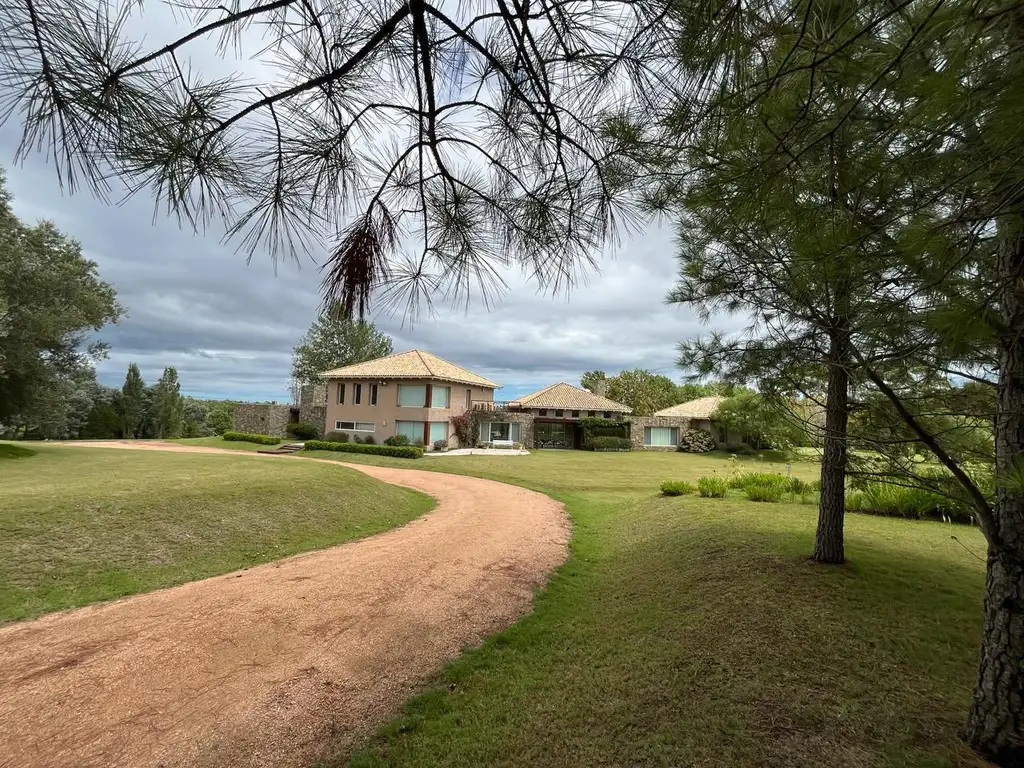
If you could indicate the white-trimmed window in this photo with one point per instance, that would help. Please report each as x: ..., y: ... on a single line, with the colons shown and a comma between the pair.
x: 440, y: 397
x: 657, y: 437
x: 499, y: 430
x: 355, y: 426
x: 412, y: 396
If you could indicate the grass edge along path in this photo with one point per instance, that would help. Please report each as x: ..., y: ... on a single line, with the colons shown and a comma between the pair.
x: 81, y: 525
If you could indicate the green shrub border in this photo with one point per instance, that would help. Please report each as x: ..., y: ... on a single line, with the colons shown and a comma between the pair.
x: 397, y: 451
x: 251, y: 437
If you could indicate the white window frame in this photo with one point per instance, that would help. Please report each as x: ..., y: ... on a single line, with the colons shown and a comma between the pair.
x: 354, y: 426
x: 673, y: 437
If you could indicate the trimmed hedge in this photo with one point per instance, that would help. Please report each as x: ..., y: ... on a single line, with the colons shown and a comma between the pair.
x: 251, y: 437
x: 398, y: 451
x: 607, y: 443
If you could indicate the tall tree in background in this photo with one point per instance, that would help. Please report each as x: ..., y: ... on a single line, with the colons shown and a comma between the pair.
x: 132, y: 401
x: 168, y: 408
x: 594, y: 381
x: 643, y: 391
x: 333, y: 341
x: 51, y: 297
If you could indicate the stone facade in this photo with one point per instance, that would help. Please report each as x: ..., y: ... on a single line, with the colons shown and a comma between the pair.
x: 636, y: 431
x: 313, y: 406
x: 264, y: 418
x: 525, y: 421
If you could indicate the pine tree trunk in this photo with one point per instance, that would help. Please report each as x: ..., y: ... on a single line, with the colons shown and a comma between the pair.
x: 828, y: 541
x: 996, y: 725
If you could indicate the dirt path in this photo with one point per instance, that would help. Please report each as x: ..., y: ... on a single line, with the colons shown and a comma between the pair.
x: 261, y: 667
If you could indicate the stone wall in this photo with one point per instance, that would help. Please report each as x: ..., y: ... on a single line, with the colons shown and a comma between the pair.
x: 313, y: 406
x: 262, y: 418
x: 636, y: 432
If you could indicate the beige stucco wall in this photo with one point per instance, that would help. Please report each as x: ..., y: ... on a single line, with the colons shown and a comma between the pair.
x: 387, y: 411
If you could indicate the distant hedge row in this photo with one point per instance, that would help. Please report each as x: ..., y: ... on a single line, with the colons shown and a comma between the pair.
x: 398, y: 451
x: 251, y: 437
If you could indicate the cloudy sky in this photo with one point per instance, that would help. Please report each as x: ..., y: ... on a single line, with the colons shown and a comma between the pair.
x: 229, y: 327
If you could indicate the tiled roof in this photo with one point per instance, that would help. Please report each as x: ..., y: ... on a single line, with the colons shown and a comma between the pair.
x: 414, y: 364
x: 701, y: 408
x: 562, y: 395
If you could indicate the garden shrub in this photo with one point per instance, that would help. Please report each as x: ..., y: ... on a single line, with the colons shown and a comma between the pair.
x: 695, y: 441
x: 397, y: 440
x: 607, y: 443
x: 462, y: 425
x: 757, y: 478
x: 251, y: 437
x: 764, y: 491
x: 440, y: 445
x: 677, y: 488
x: 303, y: 430
x: 888, y: 500
x: 398, y: 451
x: 336, y: 437
x: 712, y: 487
x: 798, y: 487
x: 369, y: 440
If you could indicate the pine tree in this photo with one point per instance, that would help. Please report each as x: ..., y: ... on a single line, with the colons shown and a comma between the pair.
x: 132, y: 394
x: 168, y: 408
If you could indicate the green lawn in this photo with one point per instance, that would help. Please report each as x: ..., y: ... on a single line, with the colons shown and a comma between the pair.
x: 693, y: 632
x: 220, y: 442
x: 78, y: 525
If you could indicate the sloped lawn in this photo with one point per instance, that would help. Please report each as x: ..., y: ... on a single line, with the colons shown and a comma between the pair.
x: 79, y: 525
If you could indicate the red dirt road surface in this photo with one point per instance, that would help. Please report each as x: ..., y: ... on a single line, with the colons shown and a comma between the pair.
x: 263, y: 667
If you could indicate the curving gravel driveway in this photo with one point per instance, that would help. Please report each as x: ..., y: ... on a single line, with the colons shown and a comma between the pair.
x: 261, y: 667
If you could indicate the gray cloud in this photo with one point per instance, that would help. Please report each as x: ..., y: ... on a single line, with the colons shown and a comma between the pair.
x: 229, y: 327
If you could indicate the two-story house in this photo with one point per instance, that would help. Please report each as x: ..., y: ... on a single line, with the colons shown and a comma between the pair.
x: 413, y: 393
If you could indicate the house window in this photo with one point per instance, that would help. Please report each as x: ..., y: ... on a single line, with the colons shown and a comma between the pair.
x: 355, y: 426
x: 469, y: 399
x: 607, y: 414
x: 440, y: 397
x: 543, y: 411
x: 575, y: 414
x: 661, y: 436
x: 591, y: 414
x: 373, y: 394
x: 411, y: 429
x: 559, y: 413
x: 499, y: 430
x: 550, y: 435
x: 341, y: 394
x: 412, y: 396
x: 438, y: 431
x: 357, y: 393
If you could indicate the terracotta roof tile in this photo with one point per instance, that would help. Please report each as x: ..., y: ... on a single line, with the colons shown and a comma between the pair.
x: 701, y: 408
x: 414, y: 364
x: 562, y: 395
